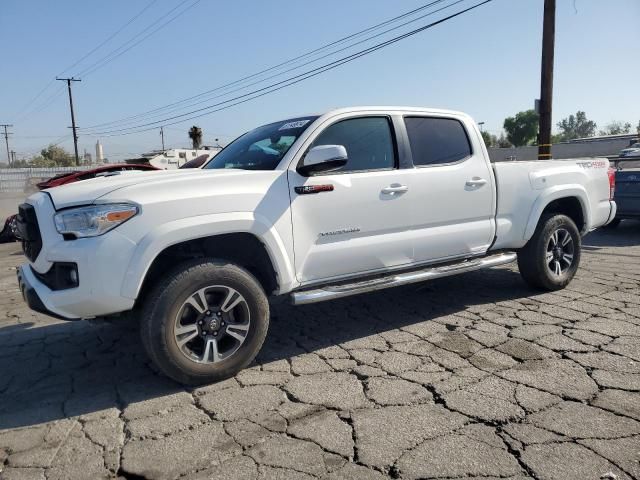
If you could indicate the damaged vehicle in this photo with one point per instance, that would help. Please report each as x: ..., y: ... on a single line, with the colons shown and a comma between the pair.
x: 312, y: 208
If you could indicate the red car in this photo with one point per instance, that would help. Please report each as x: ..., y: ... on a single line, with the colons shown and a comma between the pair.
x: 70, y: 177
x: 9, y: 232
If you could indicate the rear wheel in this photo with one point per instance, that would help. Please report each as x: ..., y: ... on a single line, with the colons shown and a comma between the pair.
x: 205, y: 321
x: 550, y: 259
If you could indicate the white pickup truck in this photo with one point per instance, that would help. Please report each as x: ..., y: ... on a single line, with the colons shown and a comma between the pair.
x: 315, y: 208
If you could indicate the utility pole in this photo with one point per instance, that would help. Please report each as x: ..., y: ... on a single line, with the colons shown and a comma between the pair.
x: 6, y: 139
x: 73, y: 119
x: 546, y: 79
x: 13, y: 157
x: 162, y: 136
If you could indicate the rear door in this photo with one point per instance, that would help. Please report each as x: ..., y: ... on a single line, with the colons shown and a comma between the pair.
x: 452, y: 189
x: 361, y: 220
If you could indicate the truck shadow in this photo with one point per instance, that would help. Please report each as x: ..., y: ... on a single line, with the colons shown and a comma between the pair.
x: 627, y: 234
x: 63, y: 370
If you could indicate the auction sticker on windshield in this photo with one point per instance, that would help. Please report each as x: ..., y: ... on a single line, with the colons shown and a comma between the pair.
x: 298, y: 124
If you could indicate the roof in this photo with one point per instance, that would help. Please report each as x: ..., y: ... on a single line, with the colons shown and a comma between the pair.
x: 378, y: 109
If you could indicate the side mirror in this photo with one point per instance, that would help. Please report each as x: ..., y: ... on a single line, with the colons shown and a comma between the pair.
x: 323, y: 158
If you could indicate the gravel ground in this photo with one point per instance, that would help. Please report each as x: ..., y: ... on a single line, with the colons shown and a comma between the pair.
x: 473, y: 376
x: 9, y: 204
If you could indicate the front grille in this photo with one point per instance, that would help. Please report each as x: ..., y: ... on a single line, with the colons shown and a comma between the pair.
x: 29, y: 231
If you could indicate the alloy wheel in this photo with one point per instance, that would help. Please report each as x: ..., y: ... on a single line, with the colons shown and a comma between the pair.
x: 560, y: 252
x: 212, y: 324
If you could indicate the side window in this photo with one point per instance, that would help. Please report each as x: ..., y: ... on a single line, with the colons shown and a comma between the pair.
x: 368, y: 141
x: 436, y: 141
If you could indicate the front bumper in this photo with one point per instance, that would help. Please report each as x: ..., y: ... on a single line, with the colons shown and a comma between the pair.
x: 30, y: 295
x: 101, y: 262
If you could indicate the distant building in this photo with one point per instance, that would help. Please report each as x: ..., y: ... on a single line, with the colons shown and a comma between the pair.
x: 629, y: 137
x: 86, y: 158
x: 99, y: 153
x: 174, y: 157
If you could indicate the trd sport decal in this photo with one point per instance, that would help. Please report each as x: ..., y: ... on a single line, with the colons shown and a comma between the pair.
x: 594, y: 164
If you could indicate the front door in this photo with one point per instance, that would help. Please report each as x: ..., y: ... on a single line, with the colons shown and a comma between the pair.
x: 360, y: 221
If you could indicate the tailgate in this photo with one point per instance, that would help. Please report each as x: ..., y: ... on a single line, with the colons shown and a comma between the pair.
x: 627, y: 194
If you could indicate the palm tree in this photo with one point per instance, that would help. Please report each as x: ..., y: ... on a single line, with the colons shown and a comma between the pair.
x: 195, y: 134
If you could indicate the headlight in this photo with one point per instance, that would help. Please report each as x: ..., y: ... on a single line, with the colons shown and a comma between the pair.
x: 93, y: 220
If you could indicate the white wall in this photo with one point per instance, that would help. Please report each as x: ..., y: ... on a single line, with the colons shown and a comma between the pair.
x: 561, y: 150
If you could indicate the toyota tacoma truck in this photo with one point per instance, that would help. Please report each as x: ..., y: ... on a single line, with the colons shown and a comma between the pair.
x: 314, y: 208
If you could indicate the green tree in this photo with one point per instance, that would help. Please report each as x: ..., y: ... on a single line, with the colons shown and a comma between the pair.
x: 53, y: 156
x: 576, y: 126
x: 502, y: 142
x: 523, y: 128
x: 195, y: 134
x: 489, y: 140
x: 20, y: 164
x: 616, y: 128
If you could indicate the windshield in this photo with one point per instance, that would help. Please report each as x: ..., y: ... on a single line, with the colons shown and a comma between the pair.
x: 262, y: 148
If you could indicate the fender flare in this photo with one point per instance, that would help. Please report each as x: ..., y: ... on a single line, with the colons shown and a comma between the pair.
x: 192, y: 228
x: 556, y: 193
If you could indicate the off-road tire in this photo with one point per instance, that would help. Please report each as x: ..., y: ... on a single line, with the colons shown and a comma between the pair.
x: 167, y: 297
x: 532, y: 258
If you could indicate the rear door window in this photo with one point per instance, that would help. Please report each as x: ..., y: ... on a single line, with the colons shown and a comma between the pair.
x: 437, y: 141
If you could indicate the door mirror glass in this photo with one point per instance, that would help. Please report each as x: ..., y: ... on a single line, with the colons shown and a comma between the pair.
x: 323, y: 158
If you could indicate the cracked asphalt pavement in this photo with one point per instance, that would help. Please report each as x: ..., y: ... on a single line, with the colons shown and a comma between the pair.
x: 474, y: 376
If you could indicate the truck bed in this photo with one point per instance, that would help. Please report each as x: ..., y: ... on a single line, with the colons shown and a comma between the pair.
x: 525, y: 187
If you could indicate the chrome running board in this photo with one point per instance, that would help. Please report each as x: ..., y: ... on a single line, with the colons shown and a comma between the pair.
x: 331, y: 292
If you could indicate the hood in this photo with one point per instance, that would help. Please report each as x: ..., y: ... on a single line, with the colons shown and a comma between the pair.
x: 128, y: 185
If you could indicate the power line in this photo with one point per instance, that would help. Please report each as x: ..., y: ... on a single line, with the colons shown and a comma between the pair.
x: 297, y: 67
x: 43, y: 105
x: 110, y: 37
x: 37, y: 136
x: 110, y: 57
x: 156, y: 111
x: 36, y: 97
x: 287, y: 82
x: 92, y: 51
x: 290, y: 81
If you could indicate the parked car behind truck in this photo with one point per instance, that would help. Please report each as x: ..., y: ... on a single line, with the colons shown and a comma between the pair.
x: 627, y: 195
x: 9, y: 232
x: 314, y: 208
x: 632, y: 150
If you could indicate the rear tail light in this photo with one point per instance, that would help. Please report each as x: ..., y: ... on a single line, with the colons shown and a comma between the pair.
x: 612, y: 182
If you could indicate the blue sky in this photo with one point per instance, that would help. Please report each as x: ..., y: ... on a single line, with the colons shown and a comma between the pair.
x: 486, y: 63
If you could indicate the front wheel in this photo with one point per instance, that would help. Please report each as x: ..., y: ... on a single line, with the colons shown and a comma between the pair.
x: 205, y: 321
x: 550, y: 259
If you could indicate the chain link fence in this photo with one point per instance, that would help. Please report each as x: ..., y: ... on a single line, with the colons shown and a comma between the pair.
x: 24, y: 180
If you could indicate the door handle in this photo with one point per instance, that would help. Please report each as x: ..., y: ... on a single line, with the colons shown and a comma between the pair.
x: 476, y: 182
x: 395, y: 188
